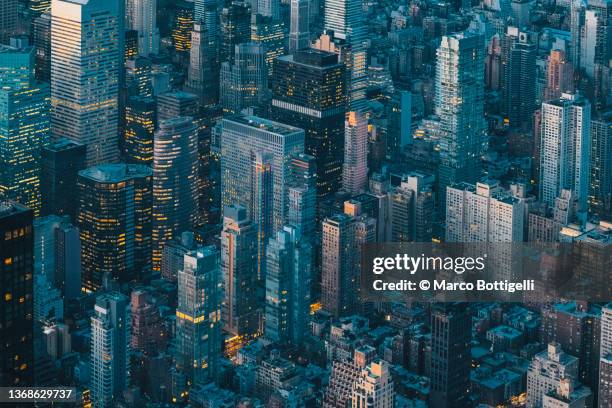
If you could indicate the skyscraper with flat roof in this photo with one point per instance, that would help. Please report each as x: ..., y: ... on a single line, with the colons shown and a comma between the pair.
x: 565, y: 149
x: 308, y: 90
x: 198, y: 316
x: 175, y: 182
x: 242, y: 305
x: 114, y: 219
x: 110, y: 348
x: 16, y: 306
x: 86, y: 53
x: 61, y: 162
x: 459, y: 101
x: 242, y: 137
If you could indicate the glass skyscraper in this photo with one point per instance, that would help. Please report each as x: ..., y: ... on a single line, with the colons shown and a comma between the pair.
x: 86, y: 53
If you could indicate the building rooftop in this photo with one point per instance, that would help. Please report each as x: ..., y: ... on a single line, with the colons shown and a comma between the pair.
x: 263, y: 124
x: 115, y: 173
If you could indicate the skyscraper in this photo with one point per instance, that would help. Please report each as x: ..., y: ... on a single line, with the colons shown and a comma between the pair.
x: 198, y: 315
x: 559, y: 76
x: 242, y: 305
x: 339, y: 274
x: 565, y: 148
x: 41, y: 39
x: 142, y: 16
x: 459, y: 101
x: 308, y: 90
x: 245, y: 83
x: 140, y: 120
x: 346, y: 19
x: 518, y: 77
x: 177, y: 103
x: 288, y: 284
x: 303, y: 194
x: 114, y: 219
x: 86, y: 52
x: 203, y: 73
x: 605, y: 358
x: 600, y: 183
x: 110, y: 348
x: 299, y: 31
x: 411, y: 209
x: 24, y: 127
x: 16, y: 307
x: 272, y: 35
x: 483, y: 213
x: 355, y: 166
x: 8, y: 19
x: 399, y: 128
x: 235, y: 28
x: 241, y: 138
x: 183, y: 25
x: 175, y: 176
x: 262, y: 207
x: 450, y: 355
x: 61, y: 162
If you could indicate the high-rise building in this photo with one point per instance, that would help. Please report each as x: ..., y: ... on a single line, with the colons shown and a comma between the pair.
x: 299, y: 30
x: 308, y: 90
x: 141, y: 15
x: 198, y: 315
x: 411, y: 209
x: 450, y: 355
x: 605, y: 358
x: 339, y: 274
x: 61, y: 162
x: 272, y: 35
x: 139, y: 76
x: 16, y: 307
x: 8, y: 19
x: 567, y: 395
x: 175, y: 187
x: 559, y: 76
x: 374, y: 388
x: 24, y: 127
x: 518, y: 77
x: 110, y: 348
x: 288, y: 283
x: 176, y: 104
x: 114, y: 219
x: 173, y: 255
x: 242, y: 305
x: 459, y: 101
x: 399, y: 128
x: 303, y: 194
x: 41, y: 39
x: 203, y: 73
x: 147, y: 331
x: 565, y: 148
x: 58, y: 254
x: 483, y: 213
x: 131, y: 44
x: 86, y: 53
x: 183, y: 25
x: 235, y: 28
x: 245, y: 83
x: 140, y: 120
x: 600, y: 183
x: 241, y: 138
x: 546, y: 370
x: 346, y: 372
x: 355, y: 166
x: 346, y: 19
x: 262, y: 207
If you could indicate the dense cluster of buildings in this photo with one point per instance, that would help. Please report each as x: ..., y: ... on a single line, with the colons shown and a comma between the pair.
x: 186, y: 188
